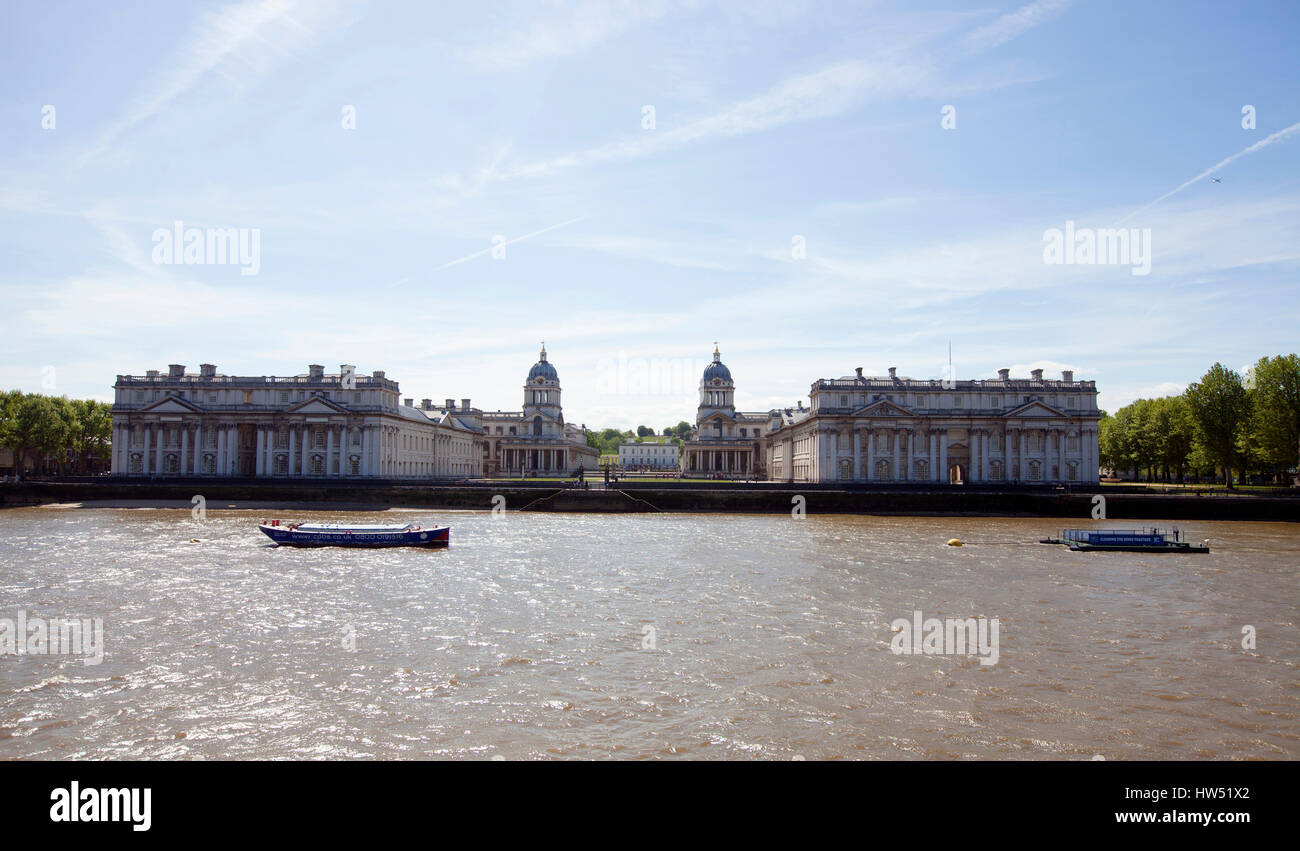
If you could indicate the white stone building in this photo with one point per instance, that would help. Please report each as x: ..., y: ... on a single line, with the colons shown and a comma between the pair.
x: 648, y: 456
x: 891, y: 429
x: 304, y: 426
x: 725, y: 442
x: 535, y: 441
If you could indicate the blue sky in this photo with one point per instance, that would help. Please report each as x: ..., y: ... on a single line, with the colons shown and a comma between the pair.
x: 631, y: 249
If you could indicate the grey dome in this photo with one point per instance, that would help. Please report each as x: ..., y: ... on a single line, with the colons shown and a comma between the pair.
x: 717, y: 369
x: 543, y: 369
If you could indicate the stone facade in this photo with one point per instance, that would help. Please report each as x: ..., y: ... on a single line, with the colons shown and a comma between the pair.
x: 305, y: 426
x: 891, y: 429
x: 648, y: 456
x: 725, y: 442
x: 535, y: 441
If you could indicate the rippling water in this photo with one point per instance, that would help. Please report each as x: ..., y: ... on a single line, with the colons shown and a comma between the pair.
x: 528, y: 637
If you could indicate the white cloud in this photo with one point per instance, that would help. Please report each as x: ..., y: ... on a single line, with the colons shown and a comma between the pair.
x: 1014, y: 24
x: 563, y: 33
x: 236, y: 41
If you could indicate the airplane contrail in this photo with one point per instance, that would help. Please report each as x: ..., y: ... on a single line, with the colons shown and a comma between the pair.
x: 1262, y: 143
x: 468, y: 257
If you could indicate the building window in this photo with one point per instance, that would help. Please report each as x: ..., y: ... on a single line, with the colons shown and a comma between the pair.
x: 281, y: 465
x: 284, y: 396
x: 956, y: 401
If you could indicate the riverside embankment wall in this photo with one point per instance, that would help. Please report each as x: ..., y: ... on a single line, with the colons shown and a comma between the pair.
x: 731, y: 497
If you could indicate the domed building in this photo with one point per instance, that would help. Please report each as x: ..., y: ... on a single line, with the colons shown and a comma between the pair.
x: 724, y: 443
x: 536, y: 441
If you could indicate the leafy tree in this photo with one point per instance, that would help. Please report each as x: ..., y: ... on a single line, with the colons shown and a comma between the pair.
x: 40, y: 426
x: 1220, y: 407
x: 10, y: 403
x: 644, y: 431
x: 1276, y: 411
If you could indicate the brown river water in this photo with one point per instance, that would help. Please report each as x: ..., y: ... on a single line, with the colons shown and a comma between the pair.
x: 664, y: 636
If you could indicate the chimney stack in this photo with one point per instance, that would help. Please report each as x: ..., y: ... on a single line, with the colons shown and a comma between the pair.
x: 175, y: 370
x: 1004, y: 374
x: 426, y: 404
x: 451, y: 405
x: 859, y: 371
x: 464, y: 403
x: 1067, y: 375
x: 208, y: 370
x: 1036, y: 374
x: 315, y: 371
x: 408, y: 403
x: 893, y: 372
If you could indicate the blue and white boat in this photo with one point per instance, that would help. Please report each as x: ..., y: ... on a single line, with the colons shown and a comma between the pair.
x: 355, y: 535
x: 1151, y: 540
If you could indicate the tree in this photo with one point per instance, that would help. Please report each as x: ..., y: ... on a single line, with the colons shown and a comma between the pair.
x: 10, y: 403
x: 1221, y: 410
x: 42, y: 427
x: 644, y: 431
x: 1277, y: 409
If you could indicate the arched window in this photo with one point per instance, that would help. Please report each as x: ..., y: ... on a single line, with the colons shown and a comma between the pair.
x: 537, y: 425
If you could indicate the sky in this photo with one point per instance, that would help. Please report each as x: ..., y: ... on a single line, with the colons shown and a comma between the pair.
x: 434, y: 189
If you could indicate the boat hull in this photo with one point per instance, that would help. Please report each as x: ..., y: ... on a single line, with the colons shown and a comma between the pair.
x: 288, y: 537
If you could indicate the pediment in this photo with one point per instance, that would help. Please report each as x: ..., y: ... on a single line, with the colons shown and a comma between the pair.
x: 717, y: 415
x: 1035, y: 409
x: 315, y: 405
x: 883, y: 408
x: 171, y: 405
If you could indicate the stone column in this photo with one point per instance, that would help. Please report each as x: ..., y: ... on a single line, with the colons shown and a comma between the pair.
x: 857, y: 454
x: 185, y: 449
x: 984, y: 456
x: 871, y: 453
x: 157, y: 450
x: 1061, y: 439
x: 1020, y: 458
x: 911, y: 454
x: 943, y: 455
x: 304, y: 469
x: 932, y: 456
x: 293, y: 444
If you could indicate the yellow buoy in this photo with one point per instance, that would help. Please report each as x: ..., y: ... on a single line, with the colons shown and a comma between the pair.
x: 954, y: 542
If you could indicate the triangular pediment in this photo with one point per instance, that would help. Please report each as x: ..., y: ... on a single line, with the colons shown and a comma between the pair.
x: 315, y: 405
x: 171, y: 405
x: 717, y: 415
x: 1035, y: 409
x: 883, y: 408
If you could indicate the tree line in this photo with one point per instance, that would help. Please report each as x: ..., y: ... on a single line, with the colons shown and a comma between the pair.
x: 69, y: 433
x: 607, y: 440
x: 1222, y: 426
